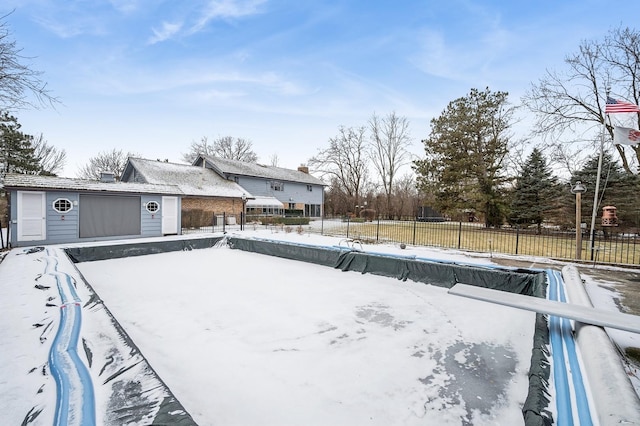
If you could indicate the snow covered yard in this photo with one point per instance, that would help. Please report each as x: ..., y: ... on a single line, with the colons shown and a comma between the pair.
x: 243, y: 338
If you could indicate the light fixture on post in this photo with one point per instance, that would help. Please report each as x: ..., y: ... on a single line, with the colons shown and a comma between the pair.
x: 578, y: 189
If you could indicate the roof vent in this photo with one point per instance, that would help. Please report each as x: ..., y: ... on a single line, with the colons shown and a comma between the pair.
x: 107, y: 177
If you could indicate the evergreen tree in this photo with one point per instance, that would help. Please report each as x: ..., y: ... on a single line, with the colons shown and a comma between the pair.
x: 465, y: 155
x: 535, y: 192
x: 617, y: 188
x: 17, y: 154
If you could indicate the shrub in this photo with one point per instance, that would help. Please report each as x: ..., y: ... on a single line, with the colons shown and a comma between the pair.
x: 284, y: 220
x: 293, y: 213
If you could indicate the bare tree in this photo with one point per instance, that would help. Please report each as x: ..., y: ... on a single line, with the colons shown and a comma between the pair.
x: 17, y: 80
x: 344, y: 162
x: 405, y: 197
x: 203, y: 147
x: 224, y: 147
x: 274, y: 160
x: 390, y: 140
x: 107, y: 161
x: 50, y: 159
x: 569, y: 105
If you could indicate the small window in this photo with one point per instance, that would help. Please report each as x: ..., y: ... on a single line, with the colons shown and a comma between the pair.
x: 277, y: 186
x: 62, y: 205
x: 153, y: 206
x: 309, y: 188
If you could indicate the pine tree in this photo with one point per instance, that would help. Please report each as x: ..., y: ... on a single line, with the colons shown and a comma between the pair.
x: 535, y: 193
x: 617, y: 188
x: 17, y: 154
x: 465, y: 152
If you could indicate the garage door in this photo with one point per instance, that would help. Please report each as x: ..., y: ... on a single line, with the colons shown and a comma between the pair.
x: 109, y: 215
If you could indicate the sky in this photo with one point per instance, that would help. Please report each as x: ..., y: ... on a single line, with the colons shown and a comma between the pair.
x: 150, y: 77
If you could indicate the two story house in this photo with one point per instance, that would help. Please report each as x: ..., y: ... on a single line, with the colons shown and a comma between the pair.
x: 273, y: 189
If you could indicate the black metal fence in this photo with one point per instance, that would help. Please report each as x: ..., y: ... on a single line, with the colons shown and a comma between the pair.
x: 198, y: 221
x: 613, y: 247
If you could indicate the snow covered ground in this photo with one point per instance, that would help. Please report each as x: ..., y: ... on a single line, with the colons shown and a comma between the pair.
x: 242, y: 338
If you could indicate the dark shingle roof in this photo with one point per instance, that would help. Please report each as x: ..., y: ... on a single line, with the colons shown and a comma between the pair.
x: 191, y: 180
x: 13, y: 180
x: 241, y: 168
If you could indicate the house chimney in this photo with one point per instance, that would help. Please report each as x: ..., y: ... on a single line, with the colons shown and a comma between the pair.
x: 107, y: 177
x: 303, y: 169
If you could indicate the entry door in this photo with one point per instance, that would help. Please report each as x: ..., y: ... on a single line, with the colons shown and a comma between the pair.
x: 169, y: 215
x: 31, y: 216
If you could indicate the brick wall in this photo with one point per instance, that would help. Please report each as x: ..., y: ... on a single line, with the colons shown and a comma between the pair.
x: 199, y: 211
x: 214, y: 204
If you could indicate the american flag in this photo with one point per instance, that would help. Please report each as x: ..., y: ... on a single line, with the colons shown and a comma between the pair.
x: 613, y: 106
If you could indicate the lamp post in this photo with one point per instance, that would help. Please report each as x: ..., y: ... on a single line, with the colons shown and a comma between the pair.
x: 578, y: 189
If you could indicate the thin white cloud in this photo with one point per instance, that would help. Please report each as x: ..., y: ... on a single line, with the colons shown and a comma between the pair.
x: 200, y: 81
x: 226, y: 9
x: 72, y: 27
x: 466, y: 60
x: 125, y: 6
x: 218, y: 95
x: 211, y: 11
x: 166, y: 31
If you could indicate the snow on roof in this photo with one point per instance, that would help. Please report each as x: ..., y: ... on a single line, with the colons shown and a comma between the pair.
x: 241, y: 168
x: 264, y: 202
x: 191, y: 180
x: 13, y: 180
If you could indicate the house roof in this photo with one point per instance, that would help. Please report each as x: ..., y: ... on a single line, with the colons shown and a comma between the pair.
x: 13, y: 180
x: 192, y: 180
x: 228, y: 167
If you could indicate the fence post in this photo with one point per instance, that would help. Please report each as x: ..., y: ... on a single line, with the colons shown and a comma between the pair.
x: 593, y: 242
x: 224, y: 221
x: 348, y: 220
x: 414, y: 231
x: 378, y: 229
x: 213, y: 221
x: 459, y: 234
x: 2, y: 235
x: 517, y: 237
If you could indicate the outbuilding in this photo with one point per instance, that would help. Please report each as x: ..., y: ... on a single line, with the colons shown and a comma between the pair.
x: 54, y: 210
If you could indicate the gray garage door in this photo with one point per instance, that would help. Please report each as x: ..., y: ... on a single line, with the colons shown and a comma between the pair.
x: 109, y: 215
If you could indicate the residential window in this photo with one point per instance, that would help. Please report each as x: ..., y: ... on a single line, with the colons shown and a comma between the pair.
x: 153, y: 206
x: 292, y: 206
x: 312, y: 210
x: 277, y: 186
x: 309, y: 188
x: 62, y: 205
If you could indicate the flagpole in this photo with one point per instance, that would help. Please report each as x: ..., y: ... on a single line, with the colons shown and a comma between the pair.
x: 611, y: 106
x: 596, y: 190
x: 594, y: 211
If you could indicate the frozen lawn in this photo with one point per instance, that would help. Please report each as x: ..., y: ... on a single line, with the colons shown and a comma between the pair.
x: 242, y: 338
